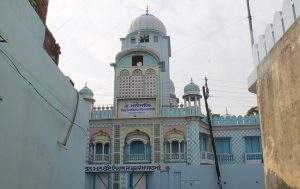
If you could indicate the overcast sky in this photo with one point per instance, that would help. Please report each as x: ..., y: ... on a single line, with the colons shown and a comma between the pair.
x: 208, y: 38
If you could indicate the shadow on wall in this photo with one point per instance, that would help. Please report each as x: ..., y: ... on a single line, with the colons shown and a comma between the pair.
x: 274, y: 181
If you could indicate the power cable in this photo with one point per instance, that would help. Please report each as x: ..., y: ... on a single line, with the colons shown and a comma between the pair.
x: 16, y: 69
x: 73, y: 15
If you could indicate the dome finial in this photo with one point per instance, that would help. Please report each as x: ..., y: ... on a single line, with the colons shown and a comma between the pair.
x: 85, y: 84
x: 147, y: 10
x: 191, y: 80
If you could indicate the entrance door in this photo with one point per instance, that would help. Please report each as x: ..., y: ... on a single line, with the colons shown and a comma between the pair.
x: 137, y: 180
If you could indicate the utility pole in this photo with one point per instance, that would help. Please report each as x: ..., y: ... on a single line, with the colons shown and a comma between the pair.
x: 205, y: 96
x: 250, y: 23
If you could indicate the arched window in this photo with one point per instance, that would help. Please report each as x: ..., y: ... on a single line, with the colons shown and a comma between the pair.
x: 137, y: 83
x: 106, y: 148
x: 124, y: 83
x: 175, y: 146
x: 150, y: 82
x: 100, y: 147
x: 137, y: 147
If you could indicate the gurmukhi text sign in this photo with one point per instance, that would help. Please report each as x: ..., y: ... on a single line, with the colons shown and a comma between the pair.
x: 121, y: 168
x: 137, y: 108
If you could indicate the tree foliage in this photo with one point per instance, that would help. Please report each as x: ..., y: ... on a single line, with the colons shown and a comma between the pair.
x: 253, y: 111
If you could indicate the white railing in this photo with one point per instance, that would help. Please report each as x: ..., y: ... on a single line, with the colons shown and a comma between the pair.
x: 137, y: 158
x: 207, y: 157
x: 175, y: 157
x: 225, y: 158
x: 253, y: 157
x: 100, y: 158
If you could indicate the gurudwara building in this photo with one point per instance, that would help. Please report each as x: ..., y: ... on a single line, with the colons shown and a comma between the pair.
x: 148, y: 140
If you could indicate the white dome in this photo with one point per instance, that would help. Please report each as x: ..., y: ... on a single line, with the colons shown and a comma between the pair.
x: 147, y: 22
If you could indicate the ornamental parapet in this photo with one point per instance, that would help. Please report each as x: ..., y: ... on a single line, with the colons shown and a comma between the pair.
x: 233, y: 120
x: 102, y: 112
x: 180, y: 111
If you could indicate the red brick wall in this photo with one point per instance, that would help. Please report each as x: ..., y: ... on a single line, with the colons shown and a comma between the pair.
x: 50, y: 45
x: 41, y: 8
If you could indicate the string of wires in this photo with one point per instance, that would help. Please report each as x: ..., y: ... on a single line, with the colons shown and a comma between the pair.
x: 16, y: 69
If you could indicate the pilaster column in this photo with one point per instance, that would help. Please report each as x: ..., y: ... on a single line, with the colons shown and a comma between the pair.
x: 102, y: 155
x: 94, y: 155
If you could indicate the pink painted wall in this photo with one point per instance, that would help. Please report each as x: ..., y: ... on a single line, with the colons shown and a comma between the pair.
x: 92, y: 131
x: 166, y: 129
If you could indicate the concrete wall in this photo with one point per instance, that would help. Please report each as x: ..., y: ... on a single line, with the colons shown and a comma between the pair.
x: 30, y: 127
x: 279, y: 106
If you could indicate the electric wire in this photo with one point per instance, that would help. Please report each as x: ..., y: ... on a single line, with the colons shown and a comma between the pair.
x: 73, y: 15
x: 16, y: 69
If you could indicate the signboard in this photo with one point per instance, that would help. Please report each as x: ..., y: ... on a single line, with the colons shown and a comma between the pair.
x: 137, y: 108
x: 121, y: 168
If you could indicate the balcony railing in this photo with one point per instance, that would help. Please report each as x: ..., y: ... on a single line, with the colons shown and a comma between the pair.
x: 100, y: 158
x: 225, y: 158
x: 207, y: 157
x: 175, y: 157
x: 253, y: 157
x: 137, y: 158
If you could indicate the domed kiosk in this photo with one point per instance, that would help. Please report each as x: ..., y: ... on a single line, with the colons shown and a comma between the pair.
x: 191, y: 95
x: 87, y: 94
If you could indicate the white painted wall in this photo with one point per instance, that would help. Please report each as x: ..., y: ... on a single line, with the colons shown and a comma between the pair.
x: 30, y: 129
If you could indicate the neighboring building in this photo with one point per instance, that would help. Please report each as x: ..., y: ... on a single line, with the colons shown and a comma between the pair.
x: 38, y: 105
x: 148, y: 140
x: 275, y: 80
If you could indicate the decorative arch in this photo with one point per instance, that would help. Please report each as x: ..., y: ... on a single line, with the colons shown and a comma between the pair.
x: 150, y: 71
x: 175, y: 134
x: 124, y: 73
x: 175, y: 146
x: 137, y: 135
x: 150, y: 82
x: 124, y: 83
x: 137, y: 72
x: 100, y: 137
x: 137, y: 147
x: 100, y: 147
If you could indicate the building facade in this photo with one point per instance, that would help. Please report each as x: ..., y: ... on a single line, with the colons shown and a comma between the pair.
x: 146, y: 139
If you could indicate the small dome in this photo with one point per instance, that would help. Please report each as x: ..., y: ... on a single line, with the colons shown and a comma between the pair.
x: 86, y: 93
x: 191, y: 88
x: 147, y: 22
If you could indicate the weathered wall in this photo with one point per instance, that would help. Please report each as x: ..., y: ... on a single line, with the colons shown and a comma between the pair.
x: 279, y: 106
